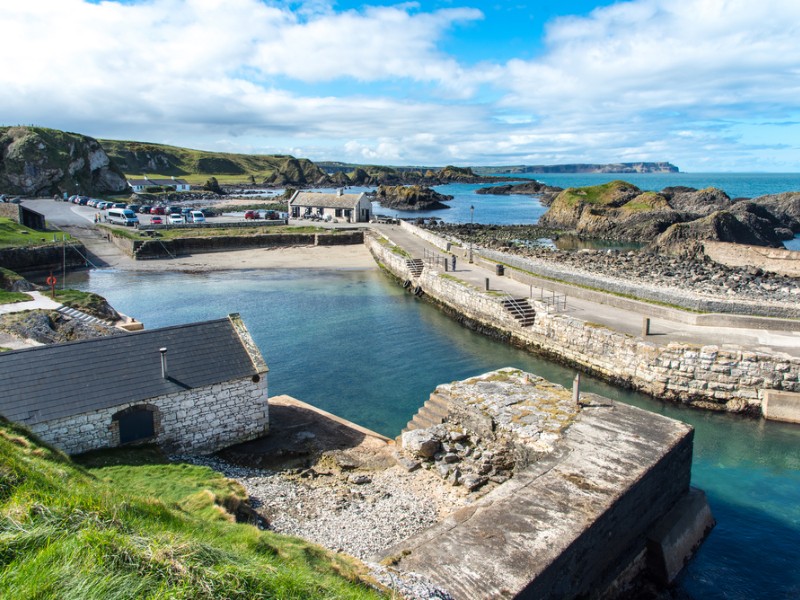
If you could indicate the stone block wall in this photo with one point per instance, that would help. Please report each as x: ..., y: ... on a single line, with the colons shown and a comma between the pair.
x: 733, y: 379
x: 201, y: 420
x: 426, y: 235
x: 43, y: 258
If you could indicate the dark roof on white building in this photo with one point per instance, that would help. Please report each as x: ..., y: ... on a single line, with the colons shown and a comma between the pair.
x: 159, y: 182
x: 324, y: 200
x: 50, y: 382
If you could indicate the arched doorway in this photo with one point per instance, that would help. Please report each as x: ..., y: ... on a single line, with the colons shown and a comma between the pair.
x: 136, y: 424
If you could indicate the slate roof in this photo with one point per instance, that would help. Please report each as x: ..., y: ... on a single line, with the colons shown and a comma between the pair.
x: 161, y: 182
x: 320, y: 200
x: 49, y: 382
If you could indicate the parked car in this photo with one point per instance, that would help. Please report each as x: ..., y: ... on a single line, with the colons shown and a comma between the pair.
x: 174, y: 210
x: 157, y: 210
x: 251, y: 214
x: 175, y: 219
x: 144, y: 210
x: 103, y: 205
x: 134, y: 207
x: 157, y: 220
x: 196, y: 216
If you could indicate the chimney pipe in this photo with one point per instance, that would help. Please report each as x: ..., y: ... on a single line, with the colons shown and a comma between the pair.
x: 163, y: 352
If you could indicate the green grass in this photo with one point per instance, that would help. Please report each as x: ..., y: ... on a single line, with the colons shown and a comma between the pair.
x: 14, y: 235
x: 13, y: 297
x: 85, y: 301
x: 602, y: 194
x: 114, y: 530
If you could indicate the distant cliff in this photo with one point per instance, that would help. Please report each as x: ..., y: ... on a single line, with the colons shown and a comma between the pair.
x: 637, y: 167
x: 40, y: 161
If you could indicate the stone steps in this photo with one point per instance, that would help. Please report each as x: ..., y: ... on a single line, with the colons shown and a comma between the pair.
x: 521, y: 310
x: 433, y: 412
x: 415, y: 266
x: 82, y: 316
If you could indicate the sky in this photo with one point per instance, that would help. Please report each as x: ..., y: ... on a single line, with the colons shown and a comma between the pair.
x: 708, y: 85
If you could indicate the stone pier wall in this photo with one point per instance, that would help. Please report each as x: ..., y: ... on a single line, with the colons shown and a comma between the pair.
x: 43, y: 258
x: 157, y: 248
x: 709, y: 376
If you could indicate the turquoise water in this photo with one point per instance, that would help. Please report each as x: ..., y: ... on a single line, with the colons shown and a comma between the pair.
x: 354, y: 343
x: 520, y: 209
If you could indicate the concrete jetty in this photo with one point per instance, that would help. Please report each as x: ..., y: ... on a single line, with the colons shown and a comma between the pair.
x: 600, y: 493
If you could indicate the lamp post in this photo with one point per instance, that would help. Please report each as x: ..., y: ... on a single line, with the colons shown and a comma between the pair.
x: 471, y: 219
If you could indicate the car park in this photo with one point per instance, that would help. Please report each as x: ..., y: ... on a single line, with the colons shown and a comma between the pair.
x: 122, y: 216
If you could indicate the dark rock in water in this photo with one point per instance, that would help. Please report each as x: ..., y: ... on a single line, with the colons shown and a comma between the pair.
x: 545, y: 192
x: 412, y: 197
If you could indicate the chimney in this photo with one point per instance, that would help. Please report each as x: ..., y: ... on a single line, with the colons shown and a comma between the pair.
x: 163, y: 352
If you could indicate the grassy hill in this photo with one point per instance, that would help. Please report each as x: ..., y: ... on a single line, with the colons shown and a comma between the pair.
x: 131, y: 525
x: 139, y: 158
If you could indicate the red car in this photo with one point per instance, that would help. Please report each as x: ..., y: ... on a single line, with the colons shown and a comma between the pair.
x: 157, y: 210
x: 251, y: 214
x: 156, y: 220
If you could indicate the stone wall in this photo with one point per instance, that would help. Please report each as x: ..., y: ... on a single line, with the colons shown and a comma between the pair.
x: 200, y: 420
x: 784, y: 262
x: 426, y: 235
x: 157, y: 248
x: 710, y: 376
x: 9, y: 211
x: 43, y: 258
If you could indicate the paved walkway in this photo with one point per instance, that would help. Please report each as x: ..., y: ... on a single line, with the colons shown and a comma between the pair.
x: 39, y: 302
x: 663, y: 331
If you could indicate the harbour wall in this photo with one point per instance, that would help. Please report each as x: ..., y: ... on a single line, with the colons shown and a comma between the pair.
x: 158, y: 248
x: 43, y: 258
x: 707, y: 376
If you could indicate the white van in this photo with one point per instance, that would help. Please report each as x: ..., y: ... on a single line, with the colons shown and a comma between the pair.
x: 197, y: 216
x: 122, y: 216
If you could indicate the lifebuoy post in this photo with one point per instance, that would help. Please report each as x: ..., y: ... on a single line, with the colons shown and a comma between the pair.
x: 51, y: 281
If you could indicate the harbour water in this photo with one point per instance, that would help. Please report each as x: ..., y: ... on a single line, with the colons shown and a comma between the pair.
x: 354, y: 343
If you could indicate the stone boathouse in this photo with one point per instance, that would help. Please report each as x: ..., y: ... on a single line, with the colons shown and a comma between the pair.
x: 188, y: 388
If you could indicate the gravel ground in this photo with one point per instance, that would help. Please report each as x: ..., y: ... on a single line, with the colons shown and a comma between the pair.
x: 359, y: 513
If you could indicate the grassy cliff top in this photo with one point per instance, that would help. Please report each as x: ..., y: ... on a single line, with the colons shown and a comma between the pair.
x: 129, y: 526
x: 607, y: 194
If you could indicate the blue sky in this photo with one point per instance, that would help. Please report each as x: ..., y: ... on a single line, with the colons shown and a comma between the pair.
x: 709, y: 85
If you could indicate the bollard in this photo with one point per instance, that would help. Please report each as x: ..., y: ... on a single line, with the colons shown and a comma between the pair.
x: 576, y: 389
x: 487, y: 284
x: 645, y: 326
x: 445, y: 264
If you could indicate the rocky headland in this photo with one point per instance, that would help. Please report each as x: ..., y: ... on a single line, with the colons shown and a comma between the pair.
x: 412, y: 197
x: 37, y: 161
x: 635, y: 167
x: 676, y: 216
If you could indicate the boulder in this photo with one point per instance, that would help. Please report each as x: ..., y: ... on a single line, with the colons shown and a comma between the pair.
x: 421, y: 442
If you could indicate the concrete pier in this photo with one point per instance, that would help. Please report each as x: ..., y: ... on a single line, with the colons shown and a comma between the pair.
x: 599, y: 492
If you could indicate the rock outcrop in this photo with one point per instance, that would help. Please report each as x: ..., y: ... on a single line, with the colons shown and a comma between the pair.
x: 412, y: 197
x: 546, y: 193
x: 620, y: 211
x: 40, y: 161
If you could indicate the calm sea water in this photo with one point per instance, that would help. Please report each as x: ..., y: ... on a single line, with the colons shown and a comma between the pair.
x: 354, y: 343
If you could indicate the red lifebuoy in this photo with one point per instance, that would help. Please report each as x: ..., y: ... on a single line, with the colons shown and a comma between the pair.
x: 51, y: 281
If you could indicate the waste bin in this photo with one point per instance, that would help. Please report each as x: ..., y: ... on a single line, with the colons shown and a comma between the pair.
x: 499, y: 270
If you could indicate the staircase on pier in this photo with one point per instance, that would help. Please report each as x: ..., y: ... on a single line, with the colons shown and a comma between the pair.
x: 434, y: 412
x: 520, y: 309
x: 415, y: 266
x: 82, y: 316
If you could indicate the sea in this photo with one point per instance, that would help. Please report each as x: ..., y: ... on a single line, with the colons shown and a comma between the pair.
x: 467, y: 206
x: 354, y: 343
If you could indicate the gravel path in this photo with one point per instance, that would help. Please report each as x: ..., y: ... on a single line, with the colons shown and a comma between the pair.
x: 360, y: 513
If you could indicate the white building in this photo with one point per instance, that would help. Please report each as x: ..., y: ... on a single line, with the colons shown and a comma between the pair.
x: 352, y: 208
x: 139, y: 185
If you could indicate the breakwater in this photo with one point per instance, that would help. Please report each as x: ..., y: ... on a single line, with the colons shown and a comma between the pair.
x: 708, y: 376
x: 160, y: 248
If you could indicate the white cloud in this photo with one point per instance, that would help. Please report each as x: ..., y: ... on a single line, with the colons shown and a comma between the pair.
x: 680, y: 80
